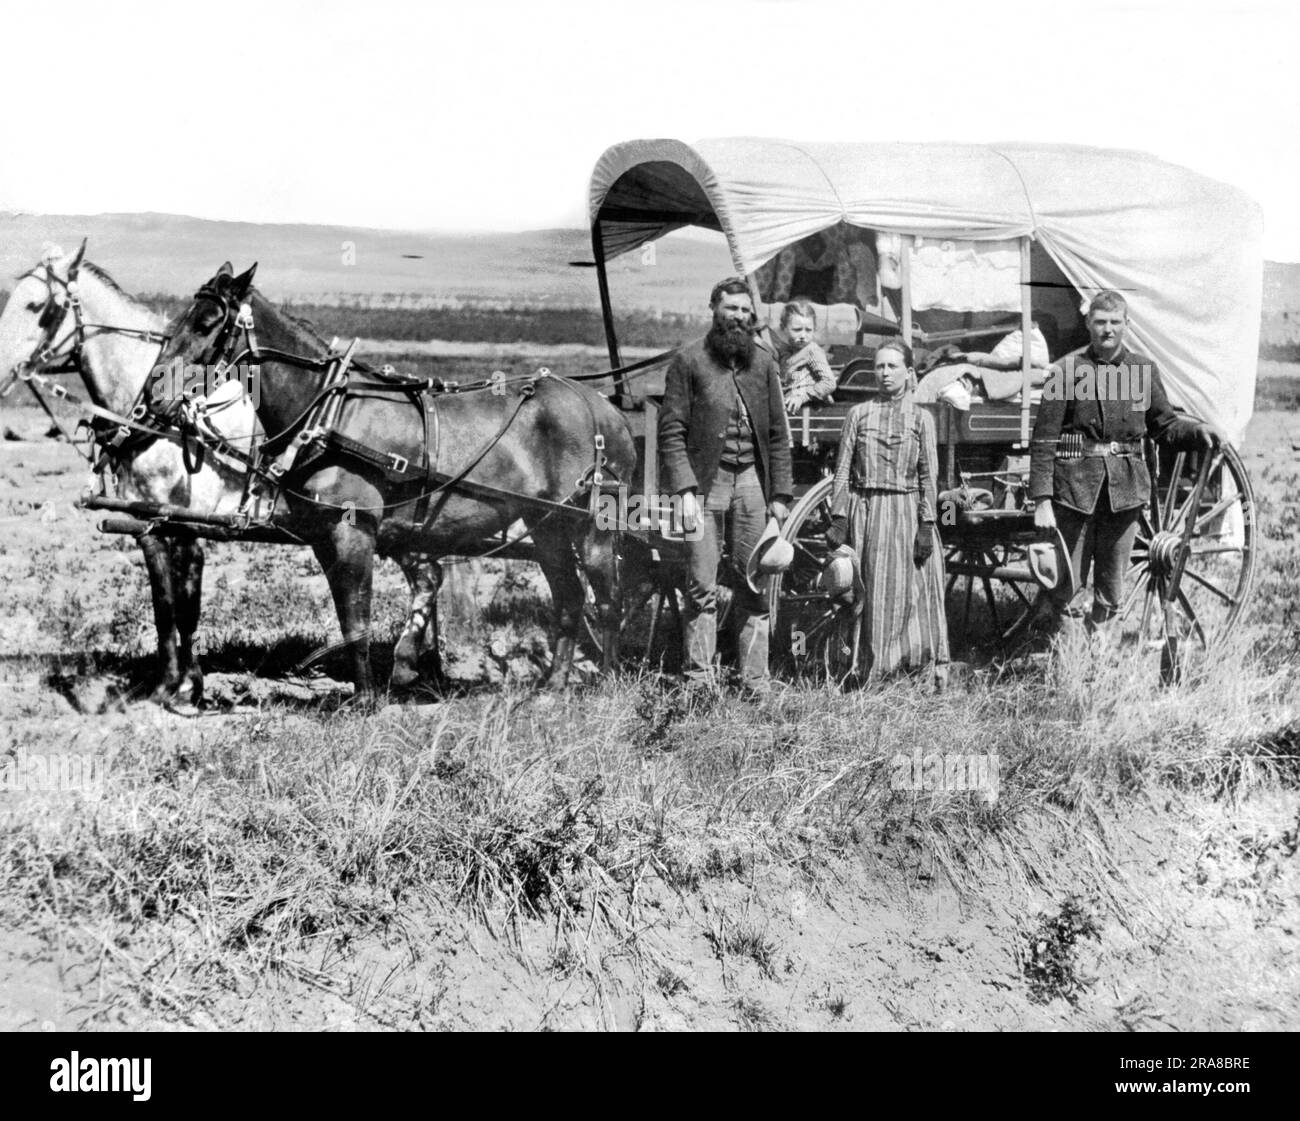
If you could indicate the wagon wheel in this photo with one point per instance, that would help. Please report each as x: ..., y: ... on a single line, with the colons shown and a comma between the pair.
x: 812, y: 632
x: 989, y: 592
x: 1193, y: 561
x: 651, y: 619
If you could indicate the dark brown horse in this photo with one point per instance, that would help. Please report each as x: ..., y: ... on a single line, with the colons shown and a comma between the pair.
x: 417, y: 474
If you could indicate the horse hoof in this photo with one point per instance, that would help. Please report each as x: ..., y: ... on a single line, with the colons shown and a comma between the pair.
x: 403, y: 677
x: 164, y: 694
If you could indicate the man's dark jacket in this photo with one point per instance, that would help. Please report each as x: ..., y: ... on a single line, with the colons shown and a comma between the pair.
x: 1076, y: 483
x: 698, y: 399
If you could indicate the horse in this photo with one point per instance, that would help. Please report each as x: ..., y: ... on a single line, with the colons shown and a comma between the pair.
x: 67, y: 315
x: 66, y: 307
x: 366, y: 462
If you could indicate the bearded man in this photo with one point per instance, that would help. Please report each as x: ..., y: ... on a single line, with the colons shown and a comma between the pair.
x: 724, y: 447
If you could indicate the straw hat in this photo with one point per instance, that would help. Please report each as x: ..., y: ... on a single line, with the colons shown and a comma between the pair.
x: 1049, y: 564
x: 772, y: 554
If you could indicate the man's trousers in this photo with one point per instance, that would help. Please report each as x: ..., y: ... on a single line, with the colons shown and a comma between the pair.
x: 735, y: 513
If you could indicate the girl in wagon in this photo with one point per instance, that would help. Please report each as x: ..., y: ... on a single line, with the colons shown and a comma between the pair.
x: 806, y: 375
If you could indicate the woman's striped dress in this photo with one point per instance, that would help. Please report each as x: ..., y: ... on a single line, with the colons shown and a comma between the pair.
x: 885, y: 484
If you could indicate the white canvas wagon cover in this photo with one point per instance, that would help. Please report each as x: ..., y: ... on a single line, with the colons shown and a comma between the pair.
x: 1185, y: 249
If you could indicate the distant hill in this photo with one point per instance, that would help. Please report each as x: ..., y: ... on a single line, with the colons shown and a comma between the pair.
x: 173, y: 254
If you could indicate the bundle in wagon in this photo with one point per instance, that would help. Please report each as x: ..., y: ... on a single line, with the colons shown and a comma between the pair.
x: 954, y: 249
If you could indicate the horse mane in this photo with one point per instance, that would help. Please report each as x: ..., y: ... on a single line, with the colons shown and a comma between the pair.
x: 297, y: 323
x: 134, y: 303
x: 102, y: 275
x: 303, y: 324
x: 305, y: 327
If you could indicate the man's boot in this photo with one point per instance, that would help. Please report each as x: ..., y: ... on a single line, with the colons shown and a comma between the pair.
x: 752, y: 655
x: 699, y: 646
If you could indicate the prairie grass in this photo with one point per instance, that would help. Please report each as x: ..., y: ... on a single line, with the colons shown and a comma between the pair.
x: 228, y: 848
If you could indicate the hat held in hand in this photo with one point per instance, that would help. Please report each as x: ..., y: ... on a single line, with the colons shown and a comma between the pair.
x: 1049, y: 564
x: 771, y: 555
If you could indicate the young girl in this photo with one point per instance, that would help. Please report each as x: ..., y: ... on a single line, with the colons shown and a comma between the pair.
x: 883, y: 503
x: 806, y: 375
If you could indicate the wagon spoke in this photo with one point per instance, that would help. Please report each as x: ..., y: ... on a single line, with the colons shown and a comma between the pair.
x: 1137, y: 575
x: 1015, y: 587
x: 1214, y: 511
x: 819, y: 624
x: 1145, y: 533
x: 954, y: 556
x: 1153, y: 524
x: 1191, y: 615
x: 993, y: 605
x: 1146, y: 611
x: 1017, y: 625
x: 1183, y: 513
x: 1209, y: 585
x: 1172, y: 496
x: 801, y: 547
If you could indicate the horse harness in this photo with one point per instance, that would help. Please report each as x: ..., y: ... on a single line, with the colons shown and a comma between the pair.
x: 315, y: 431
x: 321, y: 427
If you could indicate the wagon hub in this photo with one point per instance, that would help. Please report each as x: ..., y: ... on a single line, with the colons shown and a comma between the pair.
x: 1163, y: 553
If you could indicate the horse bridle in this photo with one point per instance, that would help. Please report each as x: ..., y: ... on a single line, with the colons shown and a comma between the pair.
x: 45, y: 360
x: 220, y: 351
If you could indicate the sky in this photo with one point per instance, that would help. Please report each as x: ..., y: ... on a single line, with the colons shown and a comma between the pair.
x: 483, y: 115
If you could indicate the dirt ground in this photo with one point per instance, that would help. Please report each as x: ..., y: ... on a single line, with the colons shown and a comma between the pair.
x: 1209, y: 936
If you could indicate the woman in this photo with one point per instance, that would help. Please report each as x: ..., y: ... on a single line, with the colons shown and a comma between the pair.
x: 883, y: 503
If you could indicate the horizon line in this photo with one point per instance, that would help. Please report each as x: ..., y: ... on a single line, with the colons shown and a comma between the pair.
x: 431, y: 231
